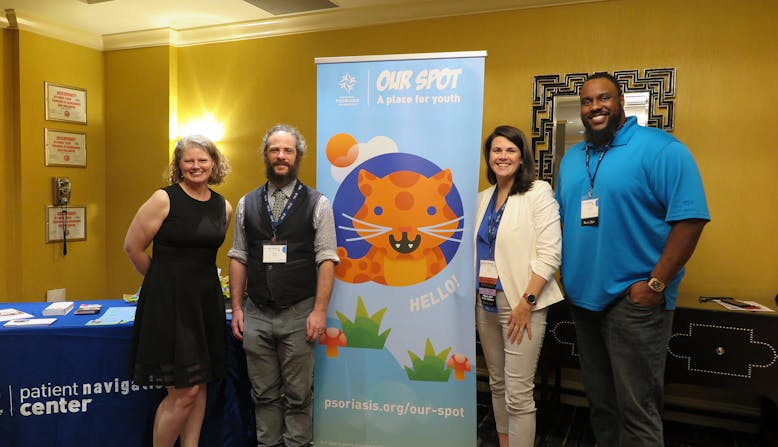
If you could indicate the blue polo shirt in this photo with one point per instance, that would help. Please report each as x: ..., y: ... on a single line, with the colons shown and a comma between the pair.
x: 645, y: 180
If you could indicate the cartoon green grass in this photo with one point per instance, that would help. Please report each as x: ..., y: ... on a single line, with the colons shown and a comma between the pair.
x: 432, y: 368
x: 363, y: 331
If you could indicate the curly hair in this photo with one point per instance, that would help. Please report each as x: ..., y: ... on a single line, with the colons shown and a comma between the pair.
x: 300, y: 144
x: 221, y: 166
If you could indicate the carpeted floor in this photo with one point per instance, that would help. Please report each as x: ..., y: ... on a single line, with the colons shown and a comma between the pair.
x: 561, y: 425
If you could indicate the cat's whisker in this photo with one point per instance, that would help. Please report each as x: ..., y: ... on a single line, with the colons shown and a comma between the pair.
x: 364, y: 230
x: 376, y: 230
x: 354, y: 219
x: 441, y: 224
x: 436, y: 230
x: 440, y: 230
x: 352, y: 239
x: 445, y: 238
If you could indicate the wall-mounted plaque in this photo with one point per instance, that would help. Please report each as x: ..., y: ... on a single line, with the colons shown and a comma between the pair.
x: 65, y: 148
x: 65, y: 103
x: 65, y: 223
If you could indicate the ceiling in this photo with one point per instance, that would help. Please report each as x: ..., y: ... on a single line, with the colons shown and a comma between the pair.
x: 117, y: 24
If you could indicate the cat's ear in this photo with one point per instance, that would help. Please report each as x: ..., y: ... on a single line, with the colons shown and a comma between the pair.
x: 365, y: 180
x: 444, y: 181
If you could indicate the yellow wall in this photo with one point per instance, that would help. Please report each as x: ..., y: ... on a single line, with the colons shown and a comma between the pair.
x: 723, y: 52
x: 9, y: 164
x: 264, y: 81
x: 34, y: 265
x: 137, y: 111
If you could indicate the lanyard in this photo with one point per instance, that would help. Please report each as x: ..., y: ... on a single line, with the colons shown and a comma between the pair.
x: 275, y: 223
x: 494, y: 222
x: 599, y: 163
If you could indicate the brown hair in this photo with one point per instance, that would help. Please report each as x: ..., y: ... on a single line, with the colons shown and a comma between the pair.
x: 525, y: 175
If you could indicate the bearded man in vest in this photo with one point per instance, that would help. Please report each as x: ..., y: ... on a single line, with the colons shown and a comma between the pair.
x: 282, y: 261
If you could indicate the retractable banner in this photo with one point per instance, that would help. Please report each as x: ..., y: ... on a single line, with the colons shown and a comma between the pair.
x: 398, y: 144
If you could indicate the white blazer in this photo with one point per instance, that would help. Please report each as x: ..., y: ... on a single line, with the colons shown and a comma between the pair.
x: 529, y: 240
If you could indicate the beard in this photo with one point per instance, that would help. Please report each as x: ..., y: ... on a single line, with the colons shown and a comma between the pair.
x: 605, y: 135
x: 281, y: 179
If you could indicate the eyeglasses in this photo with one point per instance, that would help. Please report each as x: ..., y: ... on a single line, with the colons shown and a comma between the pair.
x: 277, y: 150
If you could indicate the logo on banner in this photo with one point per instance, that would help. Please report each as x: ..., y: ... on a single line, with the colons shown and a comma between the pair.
x: 399, y: 218
x: 347, y: 83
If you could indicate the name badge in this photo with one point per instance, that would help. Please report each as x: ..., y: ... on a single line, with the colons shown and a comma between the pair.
x: 487, y: 285
x: 274, y: 252
x: 590, y: 212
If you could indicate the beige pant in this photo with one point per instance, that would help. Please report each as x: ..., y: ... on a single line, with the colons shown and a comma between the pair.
x: 511, y: 370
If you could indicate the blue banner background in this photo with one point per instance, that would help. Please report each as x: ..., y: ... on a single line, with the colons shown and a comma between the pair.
x: 383, y: 116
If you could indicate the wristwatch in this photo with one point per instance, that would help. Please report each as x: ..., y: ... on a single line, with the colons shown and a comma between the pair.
x: 531, y: 299
x: 656, y: 285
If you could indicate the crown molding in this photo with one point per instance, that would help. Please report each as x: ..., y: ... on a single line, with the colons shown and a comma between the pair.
x: 324, y: 20
x: 57, y: 31
x: 141, y: 39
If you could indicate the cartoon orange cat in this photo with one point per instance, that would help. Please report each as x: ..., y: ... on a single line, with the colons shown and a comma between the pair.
x: 405, y: 218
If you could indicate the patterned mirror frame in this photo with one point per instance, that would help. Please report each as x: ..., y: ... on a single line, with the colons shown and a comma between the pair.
x: 660, y: 82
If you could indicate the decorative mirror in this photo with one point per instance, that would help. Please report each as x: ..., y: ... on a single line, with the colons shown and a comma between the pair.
x: 556, y: 121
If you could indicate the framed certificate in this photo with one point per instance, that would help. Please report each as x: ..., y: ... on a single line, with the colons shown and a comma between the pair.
x: 65, y: 148
x: 64, y: 103
x: 65, y: 222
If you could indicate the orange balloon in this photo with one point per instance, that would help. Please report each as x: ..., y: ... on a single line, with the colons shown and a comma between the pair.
x: 342, y: 150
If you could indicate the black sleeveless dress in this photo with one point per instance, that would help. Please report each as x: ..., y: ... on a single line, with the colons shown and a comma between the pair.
x: 180, y: 324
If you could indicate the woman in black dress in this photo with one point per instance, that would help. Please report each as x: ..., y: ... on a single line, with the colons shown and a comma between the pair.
x: 179, y: 335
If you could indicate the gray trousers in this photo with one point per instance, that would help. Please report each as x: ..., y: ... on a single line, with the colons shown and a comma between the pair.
x: 623, y: 351
x: 280, y: 368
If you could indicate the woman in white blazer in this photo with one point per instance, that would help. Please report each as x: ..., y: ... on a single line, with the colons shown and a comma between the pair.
x: 518, y: 248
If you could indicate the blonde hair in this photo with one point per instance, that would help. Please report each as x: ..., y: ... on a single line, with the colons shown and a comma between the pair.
x: 221, y: 166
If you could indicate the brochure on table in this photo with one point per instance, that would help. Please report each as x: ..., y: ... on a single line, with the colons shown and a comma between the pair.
x: 114, y: 315
x: 13, y: 314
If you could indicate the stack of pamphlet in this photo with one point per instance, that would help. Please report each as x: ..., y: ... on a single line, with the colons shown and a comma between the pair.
x: 89, y: 309
x: 58, y: 308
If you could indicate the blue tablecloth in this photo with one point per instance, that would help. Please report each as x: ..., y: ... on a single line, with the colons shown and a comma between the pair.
x: 66, y: 385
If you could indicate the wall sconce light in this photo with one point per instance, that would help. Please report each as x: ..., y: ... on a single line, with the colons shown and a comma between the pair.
x: 206, y: 125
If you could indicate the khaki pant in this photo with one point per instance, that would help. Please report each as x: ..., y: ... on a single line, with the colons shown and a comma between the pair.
x: 511, y: 370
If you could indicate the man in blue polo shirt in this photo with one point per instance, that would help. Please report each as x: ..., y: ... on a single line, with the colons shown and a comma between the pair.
x: 633, y: 208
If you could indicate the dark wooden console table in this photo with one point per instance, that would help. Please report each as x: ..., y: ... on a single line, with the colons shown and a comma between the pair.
x: 710, y: 346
